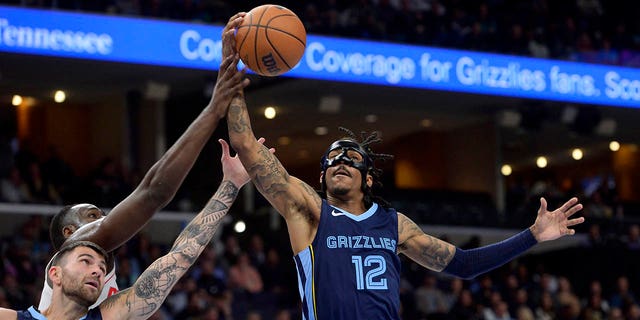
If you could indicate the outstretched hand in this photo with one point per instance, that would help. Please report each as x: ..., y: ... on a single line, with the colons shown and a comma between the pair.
x: 551, y: 225
x: 230, y: 81
x: 228, y: 34
x: 232, y: 168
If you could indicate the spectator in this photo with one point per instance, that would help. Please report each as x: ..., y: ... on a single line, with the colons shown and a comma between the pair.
x: 633, y: 312
x: 497, y: 310
x: 178, y: 300
x: 430, y: 300
x: 211, y: 312
x: 546, y: 308
x: 253, y: 315
x: 595, y: 239
x: 211, y: 278
x: 272, y: 273
x: 13, y: 188
x: 522, y: 308
x: 464, y: 308
x: 615, y: 314
x: 567, y: 299
x: 283, y: 314
x: 107, y: 184
x: 196, y: 306
x: 231, y: 251
x: 632, y: 240
x: 622, y: 297
x: 452, y: 294
x: 59, y: 174
x: 41, y: 190
x: 256, y: 251
x: 245, y: 277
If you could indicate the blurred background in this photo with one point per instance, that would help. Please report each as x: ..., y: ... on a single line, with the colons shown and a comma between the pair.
x: 469, y: 168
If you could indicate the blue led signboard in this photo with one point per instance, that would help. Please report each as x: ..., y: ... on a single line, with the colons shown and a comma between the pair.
x: 198, y: 46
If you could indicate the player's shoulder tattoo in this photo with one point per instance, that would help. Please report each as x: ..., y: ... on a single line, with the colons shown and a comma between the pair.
x: 406, y: 227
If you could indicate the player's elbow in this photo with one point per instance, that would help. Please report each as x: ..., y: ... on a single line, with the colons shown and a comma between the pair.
x: 462, y: 265
x: 156, y: 193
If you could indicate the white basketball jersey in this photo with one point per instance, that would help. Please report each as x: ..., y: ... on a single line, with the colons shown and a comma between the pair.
x: 110, y: 288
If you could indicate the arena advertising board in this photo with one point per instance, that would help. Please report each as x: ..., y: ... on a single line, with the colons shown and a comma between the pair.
x: 198, y: 46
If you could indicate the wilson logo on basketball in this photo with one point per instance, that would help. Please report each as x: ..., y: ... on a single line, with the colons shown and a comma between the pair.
x: 270, y: 63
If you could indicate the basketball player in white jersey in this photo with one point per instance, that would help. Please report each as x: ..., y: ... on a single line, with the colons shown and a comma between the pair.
x: 78, y: 271
x: 87, y: 222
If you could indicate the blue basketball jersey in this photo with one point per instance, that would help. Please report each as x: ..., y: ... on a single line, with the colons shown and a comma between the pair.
x: 33, y: 314
x: 351, y: 270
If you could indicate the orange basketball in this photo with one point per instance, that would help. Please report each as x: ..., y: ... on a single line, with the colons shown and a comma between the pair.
x: 271, y: 40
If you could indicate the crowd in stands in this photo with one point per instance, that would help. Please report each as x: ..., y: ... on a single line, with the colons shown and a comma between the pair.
x: 252, y: 276
x: 586, y: 30
x: 29, y: 179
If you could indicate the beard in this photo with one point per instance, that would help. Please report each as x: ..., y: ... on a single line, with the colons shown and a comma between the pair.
x: 76, y: 290
x: 339, y: 191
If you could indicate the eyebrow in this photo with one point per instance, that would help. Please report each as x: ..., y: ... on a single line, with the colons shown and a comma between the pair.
x: 102, y: 262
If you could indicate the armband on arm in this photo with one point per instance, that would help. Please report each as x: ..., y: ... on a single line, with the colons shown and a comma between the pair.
x: 468, y: 264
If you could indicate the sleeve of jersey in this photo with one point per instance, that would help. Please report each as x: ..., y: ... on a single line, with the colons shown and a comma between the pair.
x: 468, y: 264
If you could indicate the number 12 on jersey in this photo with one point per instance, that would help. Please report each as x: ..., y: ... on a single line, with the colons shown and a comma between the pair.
x: 372, y: 280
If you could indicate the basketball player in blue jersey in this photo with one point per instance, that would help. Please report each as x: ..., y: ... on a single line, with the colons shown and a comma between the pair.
x: 78, y: 270
x: 157, y: 188
x: 346, y: 242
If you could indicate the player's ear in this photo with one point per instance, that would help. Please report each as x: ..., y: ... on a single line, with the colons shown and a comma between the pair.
x: 55, y: 274
x: 369, y: 180
x: 68, y: 230
x: 321, y: 176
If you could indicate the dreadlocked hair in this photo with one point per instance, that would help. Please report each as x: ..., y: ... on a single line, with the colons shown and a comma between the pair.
x: 365, y: 141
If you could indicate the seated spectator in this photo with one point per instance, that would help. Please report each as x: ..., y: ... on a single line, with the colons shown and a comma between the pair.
x: 615, y: 314
x: 107, y: 184
x: 498, y: 310
x: 632, y: 312
x: 632, y: 240
x: 622, y: 297
x: 196, y: 306
x: 13, y: 188
x: 245, y: 277
x: 464, y: 308
x: 40, y: 188
x: 430, y: 300
x: 567, y: 299
x: 546, y: 310
x: 283, y: 314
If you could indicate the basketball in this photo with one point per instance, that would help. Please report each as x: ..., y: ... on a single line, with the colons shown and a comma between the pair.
x: 271, y: 40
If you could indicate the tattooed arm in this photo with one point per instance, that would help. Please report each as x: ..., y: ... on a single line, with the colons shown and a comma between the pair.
x: 439, y: 255
x: 295, y: 200
x: 154, y: 285
x: 430, y: 252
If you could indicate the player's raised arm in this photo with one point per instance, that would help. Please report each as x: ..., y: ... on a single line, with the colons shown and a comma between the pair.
x: 163, y: 180
x: 152, y: 287
x: 295, y: 200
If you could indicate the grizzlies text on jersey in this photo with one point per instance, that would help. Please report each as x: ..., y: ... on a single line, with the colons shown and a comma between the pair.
x: 352, y: 269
